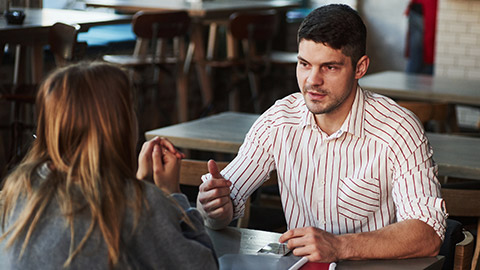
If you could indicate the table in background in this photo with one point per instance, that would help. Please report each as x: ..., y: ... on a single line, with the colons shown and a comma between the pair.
x: 456, y: 156
x: 400, y: 85
x: 212, y: 13
x: 33, y: 33
x: 247, y: 241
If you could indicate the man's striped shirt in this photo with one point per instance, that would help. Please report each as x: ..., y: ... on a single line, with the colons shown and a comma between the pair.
x: 377, y: 169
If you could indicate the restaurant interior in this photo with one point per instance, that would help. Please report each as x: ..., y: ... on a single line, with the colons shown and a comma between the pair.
x: 207, y: 69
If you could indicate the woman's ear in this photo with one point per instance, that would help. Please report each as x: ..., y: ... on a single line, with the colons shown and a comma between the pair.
x: 362, y: 67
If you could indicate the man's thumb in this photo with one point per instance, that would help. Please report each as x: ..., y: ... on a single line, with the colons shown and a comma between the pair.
x: 213, y: 169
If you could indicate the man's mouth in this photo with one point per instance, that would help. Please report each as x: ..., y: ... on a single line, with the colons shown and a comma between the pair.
x: 314, y: 95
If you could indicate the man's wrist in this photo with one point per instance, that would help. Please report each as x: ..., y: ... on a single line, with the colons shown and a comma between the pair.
x: 346, y: 246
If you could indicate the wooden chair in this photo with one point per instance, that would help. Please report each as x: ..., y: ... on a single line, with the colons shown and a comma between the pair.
x: 63, y: 44
x: 441, y: 114
x: 464, y: 252
x: 62, y: 39
x: 155, y: 31
x: 192, y: 170
x: 464, y: 203
x: 254, y: 31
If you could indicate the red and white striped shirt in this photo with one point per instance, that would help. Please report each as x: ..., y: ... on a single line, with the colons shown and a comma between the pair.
x: 375, y: 170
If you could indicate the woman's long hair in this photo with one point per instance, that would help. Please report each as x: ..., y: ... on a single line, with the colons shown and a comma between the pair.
x: 87, y: 135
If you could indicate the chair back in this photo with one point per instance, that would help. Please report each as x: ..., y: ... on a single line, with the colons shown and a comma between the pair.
x: 464, y: 252
x: 62, y: 39
x: 442, y: 114
x: 160, y: 26
x: 191, y: 171
x: 253, y: 28
x: 258, y: 25
x: 168, y: 24
x: 463, y: 202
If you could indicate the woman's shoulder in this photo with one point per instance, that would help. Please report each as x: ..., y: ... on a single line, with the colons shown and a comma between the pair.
x: 155, y: 202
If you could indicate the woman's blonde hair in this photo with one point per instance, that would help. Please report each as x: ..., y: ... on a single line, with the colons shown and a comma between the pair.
x: 86, y: 134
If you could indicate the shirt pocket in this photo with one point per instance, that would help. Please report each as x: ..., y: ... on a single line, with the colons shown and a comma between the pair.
x: 358, y: 199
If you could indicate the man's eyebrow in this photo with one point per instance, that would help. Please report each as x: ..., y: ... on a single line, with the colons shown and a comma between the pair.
x: 301, y: 58
x: 331, y: 63
x: 334, y: 63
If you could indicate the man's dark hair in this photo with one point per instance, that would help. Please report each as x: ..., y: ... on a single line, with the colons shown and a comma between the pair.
x: 338, y: 27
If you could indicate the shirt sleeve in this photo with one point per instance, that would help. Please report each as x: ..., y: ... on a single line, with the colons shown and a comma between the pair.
x: 252, y: 165
x: 416, y: 189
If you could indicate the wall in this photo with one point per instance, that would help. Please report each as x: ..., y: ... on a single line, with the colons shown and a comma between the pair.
x: 457, y: 53
x: 387, y: 30
x: 458, y: 39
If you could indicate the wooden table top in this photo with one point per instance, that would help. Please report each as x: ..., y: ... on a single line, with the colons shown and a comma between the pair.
x: 218, y: 8
x: 247, y: 241
x: 456, y: 156
x: 38, y: 21
x: 423, y: 87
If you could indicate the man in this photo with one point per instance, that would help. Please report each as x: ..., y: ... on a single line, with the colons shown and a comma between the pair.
x: 355, y: 170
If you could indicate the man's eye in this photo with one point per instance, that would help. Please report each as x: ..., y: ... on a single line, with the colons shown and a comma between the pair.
x: 303, y: 64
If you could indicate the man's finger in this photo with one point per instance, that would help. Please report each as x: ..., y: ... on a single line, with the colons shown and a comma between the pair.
x: 213, y: 169
x: 293, y: 233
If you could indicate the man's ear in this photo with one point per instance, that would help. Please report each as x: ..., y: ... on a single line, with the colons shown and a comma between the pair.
x: 362, y: 67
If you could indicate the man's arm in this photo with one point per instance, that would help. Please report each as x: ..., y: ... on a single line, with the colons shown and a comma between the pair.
x: 405, y: 239
x: 214, y: 201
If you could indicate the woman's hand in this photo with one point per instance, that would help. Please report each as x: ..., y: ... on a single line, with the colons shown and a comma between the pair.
x: 159, y: 162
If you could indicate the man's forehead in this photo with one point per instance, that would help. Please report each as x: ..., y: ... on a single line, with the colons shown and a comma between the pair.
x: 310, y: 49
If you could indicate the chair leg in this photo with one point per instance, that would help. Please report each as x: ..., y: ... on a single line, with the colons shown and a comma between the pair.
x: 476, y: 252
x: 254, y: 86
x: 182, y: 96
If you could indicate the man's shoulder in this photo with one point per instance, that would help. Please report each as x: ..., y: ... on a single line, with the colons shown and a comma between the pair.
x: 290, y: 109
x: 385, y: 116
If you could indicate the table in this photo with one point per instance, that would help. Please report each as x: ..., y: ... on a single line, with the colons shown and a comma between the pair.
x: 423, y: 87
x: 247, y: 241
x: 33, y: 33
x: 456, y: 156
x: 212, y: 13
x: 217, y: 9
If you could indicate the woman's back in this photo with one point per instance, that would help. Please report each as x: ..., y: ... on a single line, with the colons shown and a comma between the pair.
x: 157, y: 242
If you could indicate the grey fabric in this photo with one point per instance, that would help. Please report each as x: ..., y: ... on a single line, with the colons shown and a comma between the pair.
x: 160, y: 241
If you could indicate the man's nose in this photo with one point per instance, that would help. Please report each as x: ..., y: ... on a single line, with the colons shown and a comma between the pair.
x: 315, y: 77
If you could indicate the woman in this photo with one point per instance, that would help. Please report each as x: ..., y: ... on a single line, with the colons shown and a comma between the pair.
x: 74, y: 200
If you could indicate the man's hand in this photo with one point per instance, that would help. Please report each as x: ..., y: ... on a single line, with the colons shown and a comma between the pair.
x: 214, y: 198
x: 405, y: 239
x: 315, y: 244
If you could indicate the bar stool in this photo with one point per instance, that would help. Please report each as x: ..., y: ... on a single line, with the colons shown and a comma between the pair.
x: 155, y: 31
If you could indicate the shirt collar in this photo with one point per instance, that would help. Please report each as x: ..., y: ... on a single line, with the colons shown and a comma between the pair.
x: 353, y: 124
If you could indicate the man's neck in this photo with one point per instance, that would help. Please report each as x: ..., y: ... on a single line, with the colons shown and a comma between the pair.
x: 331, y: 122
